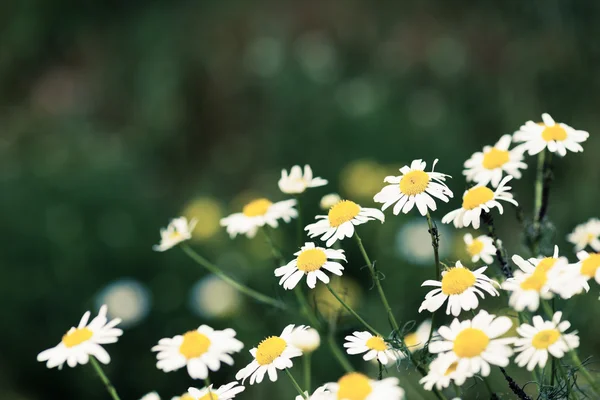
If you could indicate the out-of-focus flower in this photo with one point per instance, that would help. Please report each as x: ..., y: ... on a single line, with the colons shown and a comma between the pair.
x: 213, y: 298
x: 317, y: 56
x: 482, y: 247
x: 297, y: 182
x: 413, y: 241
x: 556, y: 137
x: 416, y: 340
x: 78, y: 344
x: 151, y: 396
x: 372, y: 346
x: 127, y: 299
x: 309, y: 262
x: 307, y: 340
x: 329, y: 200
x: 361, y: 178
x: 355, y: 385
x: 414, y: 187
x: 586, y: 234
x: 207, y: 210
x: 258, y: 213
x: 489, y: 165
x: 224, y: 392
x: 328, y: 305
x: 178, y: 230
x: 442, y: 371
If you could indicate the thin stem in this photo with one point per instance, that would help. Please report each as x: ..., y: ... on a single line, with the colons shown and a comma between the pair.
x: 585, y: 372
x: 307, y: 365
x: 274, y: 250
x: 207, y: 384
x: 351, y: 311
x: 518, y: 390
x: 504, y: 267
x: 337, y: 352
x: 306, y: 309
x: 242, y: 288
x: 298, y: 388
x: 456, y: 390
x: 435, y: 243
x: 552, y: 366
x: 380, y: 373
x: 537, y: 202
x: 300, y: 226
x: 109, y: 386
x: 489, y: 387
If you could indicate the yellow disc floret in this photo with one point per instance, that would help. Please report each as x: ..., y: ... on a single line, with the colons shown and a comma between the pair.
x: 342, y: 212
x: 590, y: 265
x: 311, y: 260
x: 475, y: 247
x: 457, y: 280
x: 555, y: 132
x: 269, y: 349
x: 477, y: 196
x: 257, y: 207
x: 495, y: 158
x: 354, y: 386
x: 376, y: 343
x: 77, y: 336
x: 470, y: 342
x: 194, y: 344
x: 544, y: 339
x: 414, y: 182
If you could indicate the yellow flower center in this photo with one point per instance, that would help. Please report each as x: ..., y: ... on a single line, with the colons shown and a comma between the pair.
x: 175, y: 235
x: 590, y: 265
x: 76, y: 337
x: 451, y: 368
x: 342, y: 212
x: 471, y: 342
x: 536, y: 281
x: 354, y: 386
x: 411, y: 340
x: 476, y: 197
x: 376, y: 343
x: 545, y: 265
x: 544, y: 339
x: 207, y: 396
x: 414, y: 182
x: 194, y: 344
x: 495, y: 158
x: 257, y: 207
x: 475, y: 247
x: 457, y: 280
x: 555, y: 132
x: 269, y: 349
x: 186, y: 396
x: 311, y: 260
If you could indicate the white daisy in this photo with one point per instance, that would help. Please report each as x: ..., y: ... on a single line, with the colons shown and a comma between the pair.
x: 475, y: 344
x: 329, y: 200
x: 573, y: 279
x: 296, y: 182
x: 320, y: 393
x: 258, y: 213
x: 307, y: 340
x: 416, y: 340
x: 178, y: 230
x: 356, y: 386
x: 185, y: 396
x: 414, y: 187
x: 460, y: 286
x: 224, y: 392
x: 489, y: 165
x: 373, y: 346
x: 532, y: 281
x: 310, y: 261
x: 586, y: 234
x: 480, y: 248
x: 339, y: 222
x: 477, y: 199
x: 589, y: 265
x: 273, y: 353
x: 78, y: 344
x: 542, y: 338
x: 443, y: 370
x: 556, y: 137
x: 198, y: 350
x: 151, y: 396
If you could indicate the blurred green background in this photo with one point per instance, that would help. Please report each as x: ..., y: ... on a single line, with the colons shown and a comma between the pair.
x: 116, y: 116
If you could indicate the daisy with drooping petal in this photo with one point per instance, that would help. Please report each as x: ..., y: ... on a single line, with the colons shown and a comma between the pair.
x: 556, y: 137
x: 586, y: 234
x: 258, y: 213
x: 489, y: 166
x: 475, y: 344
x: 460, y: 286
x: 416, y: 340
x: 482, y: 247
x: 178, y: 230
x: 442, y: 371
x: 414, y: 187
x: 224, y: 392
x: 273, y: 353
x: 373, y: 346
x: 479, y: 199
x: 542, y: 338
x: 356, y: 386
x: 532, y: 281
x: 310, y: 262
x: 199, y: 350
x: 307, y: 340
x: 340, y: 221
x: 296, y: 182
x: 78, y: 344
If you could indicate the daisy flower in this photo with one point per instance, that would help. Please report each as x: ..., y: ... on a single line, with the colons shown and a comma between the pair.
x: 339, y: 222
x: 198, y: 350
x: 320, y: 393
x: 556, y: 137
x: 477, y: 199
x: 475, y: 344
x: 78, y: 344
x: 480, y: 248
x: 460, y: 286
x: 586, y: 234
x: 573, y: 279
x: 151, y: 396
x: 310, y: 261
x: 224, y: 392
x: 273, y: 353
x: 414, y: 187
x: 258, y: 213
x: 542, y: 338
x: 373, y: 346
x: 307, y: 340
x: 442, y: 371
x: 356, y: 386
x: 178, y: 230
x: 296, y: 182
x: 532, y: 281
x: 489, y: 165
x: 416, y: 340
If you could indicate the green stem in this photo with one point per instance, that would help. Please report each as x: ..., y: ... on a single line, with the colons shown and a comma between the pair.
x: 435, y: 243
x: 488, y: 386
x: 337, y: 352
x: 585, y: 372
x: 242, y: 288
x: 298, y: 388
x: 307, y: 376
x: 207, y: 384
x: 109, y: 386
x: 351, y: 311
x: 274, y: 250
x: 299, y: 222
x: 537, y: 205
x: 306, y: 309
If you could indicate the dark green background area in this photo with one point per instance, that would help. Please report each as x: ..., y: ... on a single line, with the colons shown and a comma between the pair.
x: 115, y: 115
